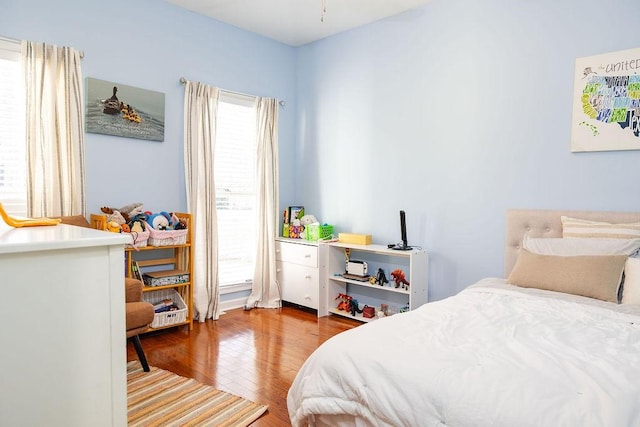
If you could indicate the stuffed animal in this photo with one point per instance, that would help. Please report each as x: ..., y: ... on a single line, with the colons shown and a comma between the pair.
x: 130, y: 211
x: 158, y: 221
x: 113, y: 227
x: 141, y: 218
x: 123, y: 215
x: 177, y: 223
x: 113, y: 215
x: 308, y: 219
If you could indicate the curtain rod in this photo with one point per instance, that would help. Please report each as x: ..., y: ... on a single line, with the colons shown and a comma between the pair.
x: 282, y: 103
x: 11, y: 40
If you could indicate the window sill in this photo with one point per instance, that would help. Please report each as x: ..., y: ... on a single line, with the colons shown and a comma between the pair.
x: 239, y: 287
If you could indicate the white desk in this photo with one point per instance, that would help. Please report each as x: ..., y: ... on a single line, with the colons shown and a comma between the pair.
x: 62, y: 327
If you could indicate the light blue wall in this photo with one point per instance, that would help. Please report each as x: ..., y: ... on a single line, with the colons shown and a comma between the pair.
x: 151, y: 44
x: 456, y: 112
x: 453, y: 112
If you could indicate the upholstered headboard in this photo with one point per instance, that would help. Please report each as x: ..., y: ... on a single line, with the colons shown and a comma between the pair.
x: 546, y: 223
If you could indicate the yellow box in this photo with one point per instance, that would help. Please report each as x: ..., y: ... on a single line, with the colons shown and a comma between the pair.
x: 357, y: 239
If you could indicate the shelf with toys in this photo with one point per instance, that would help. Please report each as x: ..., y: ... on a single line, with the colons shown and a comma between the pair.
x: 162, y: 258
x: 386, y: 281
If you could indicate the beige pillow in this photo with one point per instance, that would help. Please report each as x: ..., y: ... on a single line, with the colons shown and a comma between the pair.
x: 594, y: 276
x: 631, y: 291
x: 574, y: 227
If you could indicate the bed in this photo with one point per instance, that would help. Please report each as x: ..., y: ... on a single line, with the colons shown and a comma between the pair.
x: 538, y: 352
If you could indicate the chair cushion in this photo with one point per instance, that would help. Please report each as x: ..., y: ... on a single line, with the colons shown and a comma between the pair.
x: 132, y: 290
x: 139, y: 315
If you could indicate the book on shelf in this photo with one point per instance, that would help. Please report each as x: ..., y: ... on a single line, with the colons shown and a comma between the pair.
x: 135, y: 271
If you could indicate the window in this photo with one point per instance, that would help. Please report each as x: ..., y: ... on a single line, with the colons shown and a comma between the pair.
x: 235, y: 179
x: 13, y: 167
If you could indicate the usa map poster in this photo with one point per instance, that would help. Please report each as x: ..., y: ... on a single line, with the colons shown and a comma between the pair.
x: 606, y: 102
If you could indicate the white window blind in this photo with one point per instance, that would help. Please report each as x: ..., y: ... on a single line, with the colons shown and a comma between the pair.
x: 235, y: 179
x: 13, y: 188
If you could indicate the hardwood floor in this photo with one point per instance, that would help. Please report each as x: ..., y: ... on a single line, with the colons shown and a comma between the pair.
x: 253, y: 354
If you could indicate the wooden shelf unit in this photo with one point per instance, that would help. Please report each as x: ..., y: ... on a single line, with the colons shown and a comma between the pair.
x: 171, y: 257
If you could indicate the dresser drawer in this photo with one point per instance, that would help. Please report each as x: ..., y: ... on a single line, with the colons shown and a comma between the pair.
x: 298, y: 283
x: 297, y: 253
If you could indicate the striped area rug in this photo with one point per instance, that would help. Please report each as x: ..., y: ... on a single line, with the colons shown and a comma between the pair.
x: 161, y: 398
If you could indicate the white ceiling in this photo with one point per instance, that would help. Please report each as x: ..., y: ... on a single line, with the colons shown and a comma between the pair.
x: 297, y: 22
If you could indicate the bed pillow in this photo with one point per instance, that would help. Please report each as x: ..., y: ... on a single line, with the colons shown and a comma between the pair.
x: 594, y: 276
x: 631, y: 291
x: 574, y: 227
x: 572, y: 246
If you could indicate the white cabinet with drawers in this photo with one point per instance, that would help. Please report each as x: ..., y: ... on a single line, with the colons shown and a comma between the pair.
x: 298, y: 272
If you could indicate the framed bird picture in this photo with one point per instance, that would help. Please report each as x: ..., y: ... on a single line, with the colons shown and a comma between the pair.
x: 126, y: 111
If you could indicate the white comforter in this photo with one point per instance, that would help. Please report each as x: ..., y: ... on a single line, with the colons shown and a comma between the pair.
x: 493, y: 355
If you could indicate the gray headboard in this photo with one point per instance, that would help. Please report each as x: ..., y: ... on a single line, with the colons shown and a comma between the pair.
x: 546, y: 223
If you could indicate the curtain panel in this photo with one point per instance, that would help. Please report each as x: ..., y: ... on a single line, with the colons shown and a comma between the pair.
x: 200, y: 109
x: 265, y: 292
x: 54, y: 130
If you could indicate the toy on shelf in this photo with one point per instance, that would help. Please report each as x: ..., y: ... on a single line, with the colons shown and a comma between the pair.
x: 137, y: 226
x: 398, y: 277
x: 124, y: 214
x: 348, y: 304
x: 345, y: 302
x: 114, y: 227
x: 368, y: 312
x: 355, y: 307
x: 381, y: 278
x: 164, y: 221
x: 384, y: 311
x: 158, y: 221
x: 125, y: 217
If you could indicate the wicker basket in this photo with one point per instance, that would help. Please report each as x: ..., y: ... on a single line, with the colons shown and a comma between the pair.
x: 138, y: 239
x: 166, y: 237
x: 166, y: 318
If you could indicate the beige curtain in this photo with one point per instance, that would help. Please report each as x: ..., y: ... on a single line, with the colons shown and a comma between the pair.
x: 200, y: 110
x: 265, y: 292
x: 54, y: 130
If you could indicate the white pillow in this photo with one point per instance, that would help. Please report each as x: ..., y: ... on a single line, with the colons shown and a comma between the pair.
x: 572, y: 246
x: 631, y: 290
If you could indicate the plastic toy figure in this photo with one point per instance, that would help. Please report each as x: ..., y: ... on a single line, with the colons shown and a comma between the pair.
x: 398, y: 277
x: 345, y: 302
x: 381, y: 278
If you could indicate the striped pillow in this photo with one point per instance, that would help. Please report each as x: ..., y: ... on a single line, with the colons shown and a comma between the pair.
x: 573, y: 227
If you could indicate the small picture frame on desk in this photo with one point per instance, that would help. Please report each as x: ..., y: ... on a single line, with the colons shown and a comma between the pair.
x: 295, y: 212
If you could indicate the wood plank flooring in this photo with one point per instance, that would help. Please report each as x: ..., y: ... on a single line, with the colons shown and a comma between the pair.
x: 253, y: 354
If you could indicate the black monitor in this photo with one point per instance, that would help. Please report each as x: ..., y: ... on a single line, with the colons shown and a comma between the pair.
x: 403, y: 233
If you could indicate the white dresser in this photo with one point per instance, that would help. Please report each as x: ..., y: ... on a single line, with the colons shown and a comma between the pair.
x: 62, y: 327
x: 297, y: 270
